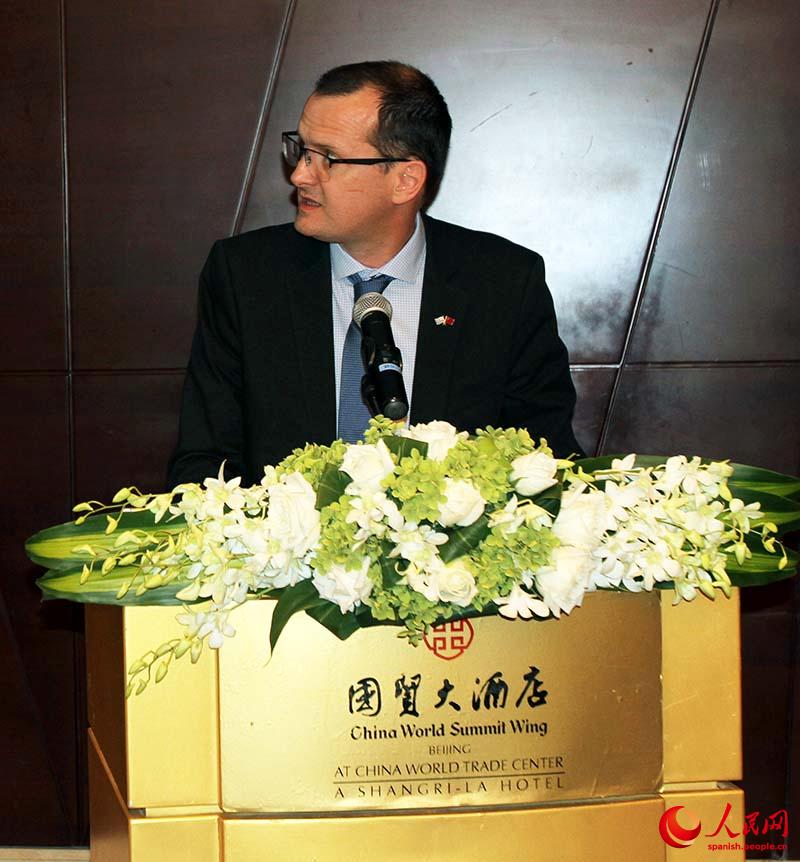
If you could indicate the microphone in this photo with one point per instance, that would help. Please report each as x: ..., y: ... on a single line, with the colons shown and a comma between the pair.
x: 382, y: 386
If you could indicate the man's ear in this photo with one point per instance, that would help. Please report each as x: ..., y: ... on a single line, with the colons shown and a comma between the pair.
x: 410, y: 180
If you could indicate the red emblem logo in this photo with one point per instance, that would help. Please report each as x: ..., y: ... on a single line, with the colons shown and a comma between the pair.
x: 673, y: 833
x: 450, y: 640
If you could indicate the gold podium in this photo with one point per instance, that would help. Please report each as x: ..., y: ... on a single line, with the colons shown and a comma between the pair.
x: 557, y: 740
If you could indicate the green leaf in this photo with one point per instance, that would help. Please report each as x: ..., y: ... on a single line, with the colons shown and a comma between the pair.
x: 603, y: 462
x: 761, y: 564
x: 550, y: 499
x: 464, y: 539
x: 754, y: 478
x: 54, y: 548
x: 491, y: 610
x: 330, y: 615
x: 331, y: 486
x: 765, y: 481
x: 389, y: 574
x: 760, y: 579
x: 782, y: 511
x: 103, y: 590
x: 292, y: 600
x: 402, y: 447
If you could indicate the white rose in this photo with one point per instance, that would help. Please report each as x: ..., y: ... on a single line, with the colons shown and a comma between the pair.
x: 456, y: 583
x: 534, y: 472
x: 463, y: 504
x: 563, y: 583
x: 440, y: 437
x: 453, y: 582
x: 367, y: 466
x: 292, y: 517
x: 347, y: 588
x: 582, y: 519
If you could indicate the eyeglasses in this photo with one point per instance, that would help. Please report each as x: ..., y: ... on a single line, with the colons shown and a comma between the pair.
x: 294, y: 150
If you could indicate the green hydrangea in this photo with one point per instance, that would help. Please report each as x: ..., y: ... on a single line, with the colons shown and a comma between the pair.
x: 501, y: 557
x: 418, y: 487
x: 312, y: 460
x: 338, y: 539
x: 400, y: 603
x: 380, y: 427
x: 486, y: 460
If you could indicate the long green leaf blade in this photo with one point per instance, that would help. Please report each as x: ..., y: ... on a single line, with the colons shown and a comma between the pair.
x: 294, y: 599
x: 783, y: 512
x: 331, y: 486
x: 464, y: 539
x: 761, y: 562
x: 766, y: 481
x: 103, y: 589
x: 330, y: 615
x: 402, y: 447
x: 754, y: 478
x: 603, y: 462
x: 389, y: 574
x: 54, y: 548
x: 550, y: 499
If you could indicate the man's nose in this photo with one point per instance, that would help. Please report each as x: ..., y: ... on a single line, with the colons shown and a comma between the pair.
x: 302, y: 175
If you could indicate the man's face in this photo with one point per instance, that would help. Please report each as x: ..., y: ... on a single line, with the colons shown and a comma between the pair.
x: 353, y: 206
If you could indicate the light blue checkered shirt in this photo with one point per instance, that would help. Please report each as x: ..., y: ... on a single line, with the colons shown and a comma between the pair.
x: 407, y: 268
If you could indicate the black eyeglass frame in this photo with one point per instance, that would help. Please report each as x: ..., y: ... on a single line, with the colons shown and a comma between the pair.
x: 292, y: 137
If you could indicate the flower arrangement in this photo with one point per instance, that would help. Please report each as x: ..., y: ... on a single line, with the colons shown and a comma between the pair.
x: 417, y: 525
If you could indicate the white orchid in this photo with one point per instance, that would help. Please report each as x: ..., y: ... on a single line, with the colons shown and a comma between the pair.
x: 416, y: 543
x: 520, y: 604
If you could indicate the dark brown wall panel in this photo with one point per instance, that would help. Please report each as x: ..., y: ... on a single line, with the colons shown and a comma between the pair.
x: 31, y: 200
x: 163, y: 106
x: 125, y: 430
x: 767, y: 669
x: 37, y: 642
x: 749, y: 414
x: 724, y: 284
x: 593, y: 387
x: 564, y: 116
x: 32, y: 813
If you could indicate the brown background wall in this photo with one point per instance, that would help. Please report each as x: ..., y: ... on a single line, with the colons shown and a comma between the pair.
x: 645, y: 149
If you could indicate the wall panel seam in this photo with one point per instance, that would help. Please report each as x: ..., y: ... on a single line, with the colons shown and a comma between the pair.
x: 576, y: 366
x: 659, y: 216
x: 77, y: 663
x: 263, y: 116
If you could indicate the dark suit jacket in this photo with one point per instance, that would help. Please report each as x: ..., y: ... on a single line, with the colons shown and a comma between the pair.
x: 260, y: 380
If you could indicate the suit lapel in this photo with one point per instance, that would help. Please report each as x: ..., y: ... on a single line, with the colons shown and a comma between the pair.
x: 443, y: 294
x: 309, y: 292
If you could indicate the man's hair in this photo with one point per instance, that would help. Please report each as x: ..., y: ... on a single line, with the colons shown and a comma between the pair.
x: 413, y: 120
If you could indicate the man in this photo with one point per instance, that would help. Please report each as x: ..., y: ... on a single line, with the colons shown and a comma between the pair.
x: 272, y: 362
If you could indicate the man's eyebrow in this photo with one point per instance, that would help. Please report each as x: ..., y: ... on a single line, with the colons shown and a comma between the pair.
x: 316, y: 145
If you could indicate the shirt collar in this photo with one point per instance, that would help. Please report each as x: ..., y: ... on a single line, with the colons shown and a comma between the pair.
x: 404, y: 266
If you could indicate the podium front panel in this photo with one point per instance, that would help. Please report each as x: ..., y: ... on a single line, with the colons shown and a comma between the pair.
x: 614, y: 700
x: 486, y: 712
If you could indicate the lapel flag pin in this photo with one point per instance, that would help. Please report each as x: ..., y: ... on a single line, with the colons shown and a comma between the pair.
x: 444, y: 320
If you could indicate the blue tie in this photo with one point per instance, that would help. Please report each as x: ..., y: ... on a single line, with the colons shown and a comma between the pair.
x: 353, y: 413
